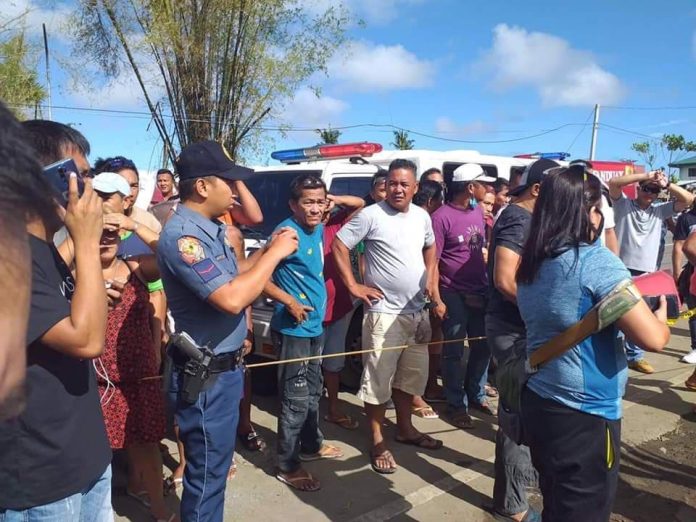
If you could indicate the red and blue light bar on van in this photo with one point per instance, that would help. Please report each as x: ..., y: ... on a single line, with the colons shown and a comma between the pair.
x: 556, y: 156
x: 346, y: 150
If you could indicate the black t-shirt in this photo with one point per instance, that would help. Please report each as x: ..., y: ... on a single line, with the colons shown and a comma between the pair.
x: 58, y: 446
x: 510, y: 231
x: 684, y: 223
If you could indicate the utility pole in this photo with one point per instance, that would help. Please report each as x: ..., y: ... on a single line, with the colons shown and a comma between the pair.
x: 595, y: 127
x: 48, y: 72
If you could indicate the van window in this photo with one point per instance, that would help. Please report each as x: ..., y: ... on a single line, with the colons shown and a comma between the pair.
x: 351, y: 186
x: 272, y: 190
x: 449, y: 167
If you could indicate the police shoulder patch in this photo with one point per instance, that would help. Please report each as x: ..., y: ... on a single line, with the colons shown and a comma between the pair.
x: 206, y: 270
x: 190, y: 250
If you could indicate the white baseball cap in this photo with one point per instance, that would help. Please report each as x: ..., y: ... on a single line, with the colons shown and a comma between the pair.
x: 471, y: 172
x: 110, y: 183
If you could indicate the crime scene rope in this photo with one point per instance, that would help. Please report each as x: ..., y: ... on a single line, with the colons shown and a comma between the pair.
x: 355, y: 352
x: 358, y: 352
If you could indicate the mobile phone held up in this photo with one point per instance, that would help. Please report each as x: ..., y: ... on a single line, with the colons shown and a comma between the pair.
x: 57, y: 173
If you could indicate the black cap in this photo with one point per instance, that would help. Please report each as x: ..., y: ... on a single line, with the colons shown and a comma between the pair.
x: 533, y: 173
x: 209, y: 158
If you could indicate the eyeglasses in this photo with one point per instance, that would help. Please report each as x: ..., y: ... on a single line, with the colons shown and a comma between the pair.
x: 312, y: 182
x: 650, y: 189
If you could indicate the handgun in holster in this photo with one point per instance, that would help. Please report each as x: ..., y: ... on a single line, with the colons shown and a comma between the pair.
x: 195, y: 365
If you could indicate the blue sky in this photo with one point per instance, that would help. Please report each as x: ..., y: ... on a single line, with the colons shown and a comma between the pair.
x: 485, y: 72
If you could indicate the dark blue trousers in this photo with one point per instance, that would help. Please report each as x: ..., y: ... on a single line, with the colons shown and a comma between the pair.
x: 208, y: 430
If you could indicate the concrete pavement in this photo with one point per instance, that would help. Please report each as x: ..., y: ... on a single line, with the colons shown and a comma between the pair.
x: 454, y: 483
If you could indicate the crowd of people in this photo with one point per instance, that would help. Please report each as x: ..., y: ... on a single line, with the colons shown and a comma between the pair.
x: 134, y: 322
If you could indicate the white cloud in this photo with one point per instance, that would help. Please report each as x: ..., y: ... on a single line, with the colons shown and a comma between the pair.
x: 562, y: 76
x: 366, y: 67
x: 30, y: 14
x: 444, y: 125
x: 308, y: 110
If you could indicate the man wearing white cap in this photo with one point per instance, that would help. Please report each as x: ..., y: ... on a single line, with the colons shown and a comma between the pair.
x: 459, y: 300
x: 113, y: 190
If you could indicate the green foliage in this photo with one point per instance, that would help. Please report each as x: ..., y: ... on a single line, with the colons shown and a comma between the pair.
x: 220, y: 66
x: 19, y: 85
x: 669, y: 148
x: 328, y: 136
x: 402, y: 141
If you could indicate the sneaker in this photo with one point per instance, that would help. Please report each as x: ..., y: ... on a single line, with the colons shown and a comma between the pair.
x: 689, y: 358
x: 641, y: 366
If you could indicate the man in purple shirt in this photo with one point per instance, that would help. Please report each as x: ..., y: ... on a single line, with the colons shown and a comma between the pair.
x: 463, y: 284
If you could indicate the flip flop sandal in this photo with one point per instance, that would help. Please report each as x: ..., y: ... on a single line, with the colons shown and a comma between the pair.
x: 140, y: 497
x: 491, y: 391
x: 462, y: 420
x: 387, y: 455
x: 330, y: 452
x: 294, y: 482
x: 252, y: 441
x: 423, y: 441
x: 232, y: 472
x: 486, y: 408
x: 425, y: 412
x: 346, y: 422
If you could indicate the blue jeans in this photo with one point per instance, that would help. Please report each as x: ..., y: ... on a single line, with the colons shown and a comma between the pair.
x: 633, y: 353
x: 90, y: 505
x: 207, y: 429
x: 300, y: 386
x: 464, y: 368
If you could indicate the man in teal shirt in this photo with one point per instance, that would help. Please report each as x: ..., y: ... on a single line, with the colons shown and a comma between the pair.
x: 300, y: 294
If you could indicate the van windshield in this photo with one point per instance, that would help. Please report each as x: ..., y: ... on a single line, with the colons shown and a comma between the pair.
x: 272, y: 190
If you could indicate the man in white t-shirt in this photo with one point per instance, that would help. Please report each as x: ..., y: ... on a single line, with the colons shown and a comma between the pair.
x: 400, y: 261
x: 639, y: 231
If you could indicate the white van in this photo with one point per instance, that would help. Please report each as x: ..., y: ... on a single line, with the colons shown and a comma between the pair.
x: 348, y: 175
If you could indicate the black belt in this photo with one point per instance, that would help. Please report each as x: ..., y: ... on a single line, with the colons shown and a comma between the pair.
x: 220, y: 363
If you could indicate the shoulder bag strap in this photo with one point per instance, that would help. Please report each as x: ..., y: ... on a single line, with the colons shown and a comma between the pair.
x: 619, y: 301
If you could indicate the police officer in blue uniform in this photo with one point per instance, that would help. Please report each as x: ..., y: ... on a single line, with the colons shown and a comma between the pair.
x: 207, y: 297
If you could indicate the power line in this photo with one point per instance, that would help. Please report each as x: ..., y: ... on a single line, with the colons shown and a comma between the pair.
x: 147, y: 115
x: 582, y: 129
x: 663, y: 108
x: 628, y: 131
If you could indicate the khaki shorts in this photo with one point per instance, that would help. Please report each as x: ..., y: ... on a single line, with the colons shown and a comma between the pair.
x: 405, y: 370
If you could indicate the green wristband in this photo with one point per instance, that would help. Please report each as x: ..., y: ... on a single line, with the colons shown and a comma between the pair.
x: 154, y: 286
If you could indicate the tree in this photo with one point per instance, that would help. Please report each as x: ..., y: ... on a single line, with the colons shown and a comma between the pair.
x: 19, y: 85
x: 328, y: 136
x: 220, y: 66
x: 402, y: 141
x: 669, y: 148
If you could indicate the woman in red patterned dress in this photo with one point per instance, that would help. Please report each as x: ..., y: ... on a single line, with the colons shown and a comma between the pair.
x: 128, y: 376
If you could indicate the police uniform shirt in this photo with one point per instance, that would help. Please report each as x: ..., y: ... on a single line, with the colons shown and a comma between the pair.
x: 195, y: 259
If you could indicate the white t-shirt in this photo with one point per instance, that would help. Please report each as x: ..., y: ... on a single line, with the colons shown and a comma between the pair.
x: 394, y: 243
x: 639, y: 232
x: 609, y: 223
